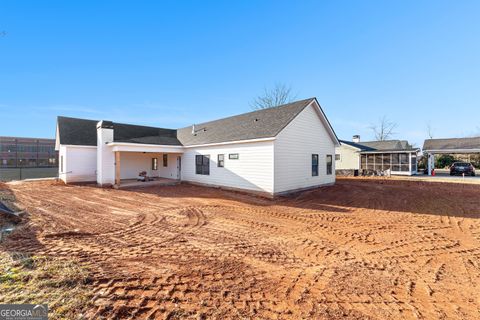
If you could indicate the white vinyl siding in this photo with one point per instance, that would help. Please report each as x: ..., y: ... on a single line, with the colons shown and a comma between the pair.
x: 294, y: 146
x: 349, y: 158
x: 253, y: 170
x: 79, y: 164
x: 132, y: 163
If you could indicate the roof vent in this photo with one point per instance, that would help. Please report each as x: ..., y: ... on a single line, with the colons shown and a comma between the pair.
x: 193, y: 129
x: 256, y: 119
x: 356, y: 138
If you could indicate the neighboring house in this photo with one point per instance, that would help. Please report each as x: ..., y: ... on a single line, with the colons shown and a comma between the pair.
x: 18, y: 152
x: 272, y: 151
x: 398, y: 156
x: 431, y: 147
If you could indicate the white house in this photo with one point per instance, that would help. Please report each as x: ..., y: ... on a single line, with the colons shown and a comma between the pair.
x: 398, y: 156
x: 271, y: 151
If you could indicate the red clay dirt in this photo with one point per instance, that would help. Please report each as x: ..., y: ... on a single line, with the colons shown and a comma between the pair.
x: 362, y: 249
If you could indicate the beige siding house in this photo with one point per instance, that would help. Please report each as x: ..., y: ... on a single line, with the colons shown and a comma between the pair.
x: 396, y: 157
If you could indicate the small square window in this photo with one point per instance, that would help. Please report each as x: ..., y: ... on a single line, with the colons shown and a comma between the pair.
x: 233, y: 156
x: 221, y: 160
x: 337, y: 157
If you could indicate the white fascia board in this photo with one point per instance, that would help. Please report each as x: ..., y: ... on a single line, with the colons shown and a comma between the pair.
x: 77, y: 146
x: 326, y: 123
x: 139, y: 147
x: 452, y: 151
x: 390, y: 151
x: 230, y: 142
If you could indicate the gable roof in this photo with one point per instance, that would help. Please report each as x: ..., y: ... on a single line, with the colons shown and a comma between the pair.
x: 265, y: 123
x: 452, y: 144
x: 386, y: 145
x: 73, y: 131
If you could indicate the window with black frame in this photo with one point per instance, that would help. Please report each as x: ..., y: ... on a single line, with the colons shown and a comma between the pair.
x: 314, y: 165
x: 202, y: 164
x: 221, y: 160
x: 165, y: 160
x: 329, y: 164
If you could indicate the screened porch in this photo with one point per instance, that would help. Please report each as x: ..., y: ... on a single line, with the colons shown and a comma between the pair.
x: 399, y: 163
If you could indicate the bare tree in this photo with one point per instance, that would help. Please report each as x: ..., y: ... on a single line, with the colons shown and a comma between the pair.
x: 278, y: 95
x: 429, y: 131
x: 384, y: 129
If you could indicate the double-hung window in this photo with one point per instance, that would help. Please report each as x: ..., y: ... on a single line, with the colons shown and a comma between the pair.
x: 221, y: 160
x: 165, y: 160
x: 202, y: 164
x: 329, y: 164
x: 314, y: 165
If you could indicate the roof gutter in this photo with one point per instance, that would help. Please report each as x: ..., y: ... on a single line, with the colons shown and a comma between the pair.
x: 127, y: 144
x: 392, y: 151
x: 451, y: 150
x: 229, y: 142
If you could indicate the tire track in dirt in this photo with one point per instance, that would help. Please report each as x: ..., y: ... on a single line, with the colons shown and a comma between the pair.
x: 358, y: 250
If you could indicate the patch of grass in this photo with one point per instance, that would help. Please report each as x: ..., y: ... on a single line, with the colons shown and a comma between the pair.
x: 60, y: 283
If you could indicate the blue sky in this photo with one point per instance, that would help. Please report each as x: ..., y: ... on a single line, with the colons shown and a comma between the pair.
x: 174, y: 63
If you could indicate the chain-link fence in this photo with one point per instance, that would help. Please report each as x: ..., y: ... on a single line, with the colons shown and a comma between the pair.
x: 10, y: 174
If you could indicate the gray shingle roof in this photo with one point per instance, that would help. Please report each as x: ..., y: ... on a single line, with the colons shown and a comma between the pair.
x: 356, y: 145
x: 259, y: 124
x: 455, y: 143
x: 73, y: 131
x: 387, y: 145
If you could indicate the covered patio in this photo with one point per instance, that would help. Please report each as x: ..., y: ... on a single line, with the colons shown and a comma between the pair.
x: 158, y: 164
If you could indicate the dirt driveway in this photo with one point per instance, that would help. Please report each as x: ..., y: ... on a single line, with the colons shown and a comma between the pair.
x: 360, y: 249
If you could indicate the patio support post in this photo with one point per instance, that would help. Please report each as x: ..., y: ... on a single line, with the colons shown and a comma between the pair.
x: 117, y: 168
x: 430, y: 163
x: 410, y: 163
x: 429, y: 167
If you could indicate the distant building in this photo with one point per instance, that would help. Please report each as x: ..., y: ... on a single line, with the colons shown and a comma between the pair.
x: 398, y: 156
x: 27, y: 152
